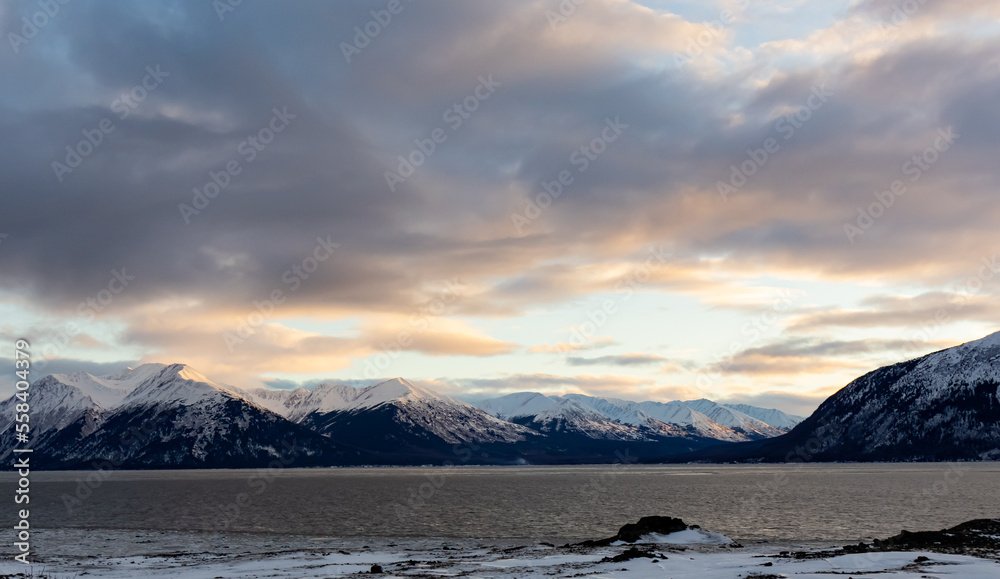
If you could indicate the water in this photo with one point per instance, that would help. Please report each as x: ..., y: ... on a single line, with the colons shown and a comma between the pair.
x: 775, y: 503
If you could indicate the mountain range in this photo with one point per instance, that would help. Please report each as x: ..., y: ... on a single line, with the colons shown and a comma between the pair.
x: 942, y: 406
x: 172, y: 416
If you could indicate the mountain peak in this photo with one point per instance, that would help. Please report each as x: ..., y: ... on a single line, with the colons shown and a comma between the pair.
x: 175, y: 383
x: 393, y: 390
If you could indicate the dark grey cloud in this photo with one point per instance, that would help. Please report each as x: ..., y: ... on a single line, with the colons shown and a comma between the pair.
x: 816, y: 355
x: 815, y: 347
x: 324, y: 174
x: 929, y: 309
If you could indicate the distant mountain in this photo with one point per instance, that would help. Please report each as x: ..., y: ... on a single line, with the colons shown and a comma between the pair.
x: 942, y: 406
x: 611, y: 418
x: 396, y: 419
x: 775, y: 418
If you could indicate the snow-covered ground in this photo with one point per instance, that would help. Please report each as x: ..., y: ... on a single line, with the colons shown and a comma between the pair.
x: 130, y: 554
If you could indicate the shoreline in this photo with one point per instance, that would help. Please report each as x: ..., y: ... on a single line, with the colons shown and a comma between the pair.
x: 206, y: 555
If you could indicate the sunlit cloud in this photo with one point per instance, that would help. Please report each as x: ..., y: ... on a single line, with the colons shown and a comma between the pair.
x: 438, y: 268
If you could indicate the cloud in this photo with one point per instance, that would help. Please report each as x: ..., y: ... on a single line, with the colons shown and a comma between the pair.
x: 796, y: 356
x: 619, y: 360
x: 566, y: 347
x: 931, y: 308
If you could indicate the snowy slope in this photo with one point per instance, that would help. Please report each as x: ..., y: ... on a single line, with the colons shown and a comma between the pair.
x: 297, y: 404
x: 568, y: 415
x: 399, y: 410
x: 517, y: 405
x: 680, y: 414
x: 281, y: 402
x: 701, y: 418
x: 733, y: 418
x: 615, y: 419
x: 60, y: 406
x: 771, y: 416
x: 109, y: 391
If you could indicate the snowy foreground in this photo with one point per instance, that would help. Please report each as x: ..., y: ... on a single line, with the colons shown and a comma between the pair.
x: 689, y: 554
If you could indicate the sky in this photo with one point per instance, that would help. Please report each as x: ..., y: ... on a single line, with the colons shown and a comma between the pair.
x: 743, y: 201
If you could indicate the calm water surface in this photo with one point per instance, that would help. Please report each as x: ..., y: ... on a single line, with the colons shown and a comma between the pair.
x: 786, y: 502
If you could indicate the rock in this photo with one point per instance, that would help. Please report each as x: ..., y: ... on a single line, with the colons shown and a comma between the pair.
x: 978, y: 538
x: 853, y: 549
x: 979, y: 534
x: 633, y: 532
x: 376, y: 569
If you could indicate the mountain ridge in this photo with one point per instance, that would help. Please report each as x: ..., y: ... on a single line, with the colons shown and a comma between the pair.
x: 942, y: 406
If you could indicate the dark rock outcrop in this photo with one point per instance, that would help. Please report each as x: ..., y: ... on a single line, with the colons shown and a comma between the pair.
x: 978, y: 538
x: 976, y: 535
x: 633, y: 532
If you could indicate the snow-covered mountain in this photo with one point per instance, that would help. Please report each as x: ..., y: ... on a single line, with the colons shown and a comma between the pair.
x: 771, y: 416
x: 942, y: 406
x: 398, y: 415
x: 614, y: 419
x: 557, y: 415
x: 158, y: 416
